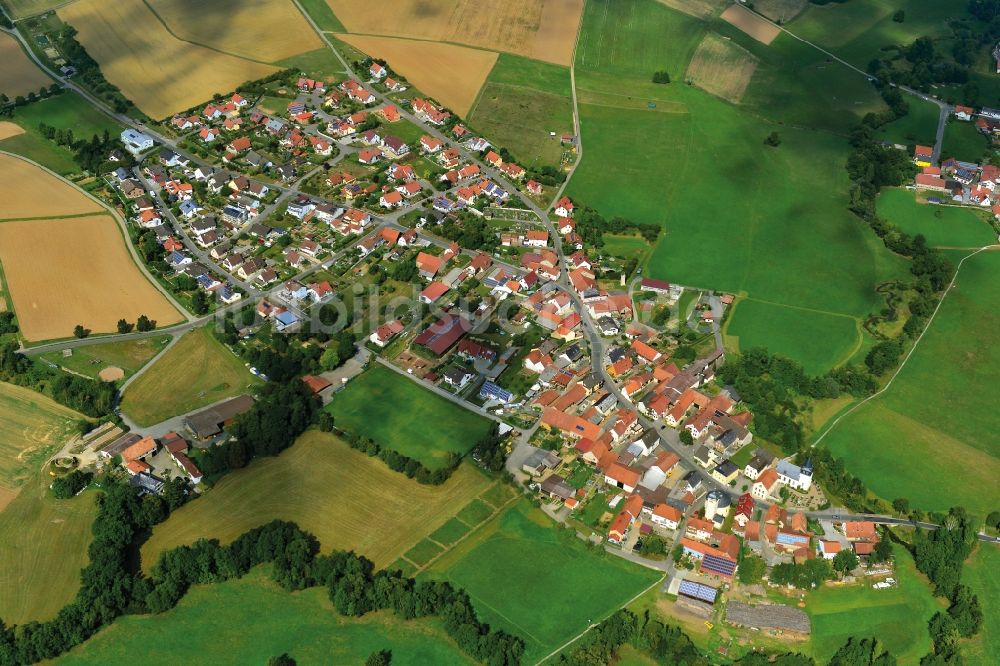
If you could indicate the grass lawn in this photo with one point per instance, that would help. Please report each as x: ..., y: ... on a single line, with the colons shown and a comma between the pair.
x: 129, y: 355
x: 43, y: 548
x: 345, y: 498
x: 32, y: 427
x: 963, y: 142
x: 626, y: 246
x: 423, y: 552
x: 917, y: 126
x: 475, y: 512
x: 197, y: 371
x: 980, y: 573
x: 250, y: 620
x: 942, y: 226
x: 395, y: 412
x: 792, y: 332
x: 523, y: 576
x: 66, y: 111
x: 897, y: 616
x: 522, y: 101
x: 320, y: 63
x: 498, y: 495
x: 905, y: 432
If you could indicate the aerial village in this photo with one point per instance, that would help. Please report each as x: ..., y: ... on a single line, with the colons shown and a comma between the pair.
x: 353, y: 187
x: 954, y: 181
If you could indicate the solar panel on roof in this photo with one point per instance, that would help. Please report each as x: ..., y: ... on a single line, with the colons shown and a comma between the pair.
x: 697, y: 591
x: 718, y: 565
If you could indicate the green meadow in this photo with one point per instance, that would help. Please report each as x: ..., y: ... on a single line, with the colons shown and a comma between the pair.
x: 250, y: 620
x: 980, y: 573
x: 942, y: 226
x: 738, y: 216
x: 963, y: 141
x: 526, y: 577
x: 930, y: 437
x: 522, y: 102
x: 897, y: 616
x: 401, y: 415
x: 65, y: 111
x: 917, y: 126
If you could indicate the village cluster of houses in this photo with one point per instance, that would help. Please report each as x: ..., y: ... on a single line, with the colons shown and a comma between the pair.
x: 958, y: 181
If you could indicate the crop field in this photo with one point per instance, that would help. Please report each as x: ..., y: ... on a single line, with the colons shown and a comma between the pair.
x: 793, y: 332
x: 541, y: 30
x: 696, y: 8
x: 522, y: 102
x: 394, y: 411
x: 22, y: 8
x: 347, y: 499
x: 721, y: 68
x: 250, y: 620
x: 32, y: 427
x: 963, y: 142
x: 942, y: 226
x: 129, y: 355
x: 139, y: 55
x: 42, y: 551
x: 790, y: 240
x: 100, y: 283
x: 29, y: 192
x: 897, y: 616
x: 751, y: 24
x: 781, y: 11
x: 449, y: 73
x: 9, y: 129
x: 577, y: 585
x: 197, y: 371
x: 980, y: 573
x: 19, y: 74
x: 939, y: 457
x: 240, y: 28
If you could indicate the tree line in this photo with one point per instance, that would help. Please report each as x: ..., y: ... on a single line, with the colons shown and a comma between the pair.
x: 87, y: 396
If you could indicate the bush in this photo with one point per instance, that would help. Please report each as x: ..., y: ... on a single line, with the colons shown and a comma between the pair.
x: 65, y: 487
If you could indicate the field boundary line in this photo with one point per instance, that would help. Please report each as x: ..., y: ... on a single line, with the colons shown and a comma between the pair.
x: 562, y: 647
x: 799, y: 307
x: 465, y: 536
x: 173, y: 34
x: 916, y: 343
x: 122, y: 230
x: 173, y: 340
x: 57, y: 217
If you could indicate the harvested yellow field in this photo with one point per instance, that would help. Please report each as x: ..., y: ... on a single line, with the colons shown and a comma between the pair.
x: 541, y: 29
x: 267, y: 30
x: 19, y: 75
x: 751, y: 24
x: 721, y: 68
x: 28, y: 191
x: 696, y: 8
x: 159, y: 72
x: 9, y: 129
x: 64, y: 272
x: 450, y: 74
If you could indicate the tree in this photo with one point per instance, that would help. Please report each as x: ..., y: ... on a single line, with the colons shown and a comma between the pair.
x: 199, y: 302
x: 882, y: 551
x: 660, y: 315
x: 862, y: 652
x: 993, y: 520
x: 899, y: 16
x: 752, y: 569
x: 773, y: 139
x: 330, y: 359
x: 379, y: 658
x: 653, y: 544
x: 81, y: 332
x: 901, y: 505
x: 661, y: 76
x: 64, y: 487
x: 144, y: 323
x: 281, y: 660
x: 124, y: 326
x: 845, y: 561
x: 686, y: 437
x: 884, y: 356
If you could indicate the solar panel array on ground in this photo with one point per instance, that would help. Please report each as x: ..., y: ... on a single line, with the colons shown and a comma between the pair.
x: 718, y: 565
x: 695, y: 590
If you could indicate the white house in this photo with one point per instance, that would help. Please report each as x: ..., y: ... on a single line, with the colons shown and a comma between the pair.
x: 664, y: 515
x: 136, y: 142
x: 799, y: 478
